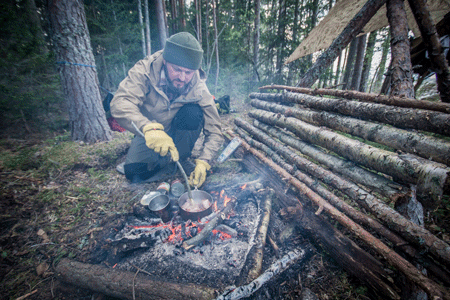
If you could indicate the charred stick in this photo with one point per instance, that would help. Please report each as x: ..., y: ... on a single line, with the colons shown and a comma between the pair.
x: 366, y: 97
x: 255, y: 271
x: 431, y: 178
x: 407, y: 141
x: 274, y: 245
x: 410, y: 271
x: 207, y: 230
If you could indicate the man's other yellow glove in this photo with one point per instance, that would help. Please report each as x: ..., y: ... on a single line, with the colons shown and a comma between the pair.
x: 159, y: 141
x: 198, y: 176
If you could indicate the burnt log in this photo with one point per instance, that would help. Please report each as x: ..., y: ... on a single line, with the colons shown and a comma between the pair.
x: 412, y: 273
x: 401, y: 117
x: 366, y: 97
x: 407, y: 141
x: 374, y: 182
x: 353, y: 28
x: 126, y: 285
x: 431, y: 178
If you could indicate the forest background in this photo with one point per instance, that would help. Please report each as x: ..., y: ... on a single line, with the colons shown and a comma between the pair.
x: 243, y: 50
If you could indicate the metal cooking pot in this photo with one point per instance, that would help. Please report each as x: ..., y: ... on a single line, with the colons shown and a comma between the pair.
x: 160, y: 205
x: 198, y: 197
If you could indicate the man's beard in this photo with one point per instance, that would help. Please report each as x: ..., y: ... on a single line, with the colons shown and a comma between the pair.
x: 182, y: 90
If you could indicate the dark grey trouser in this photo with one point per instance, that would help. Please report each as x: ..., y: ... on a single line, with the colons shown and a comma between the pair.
x: 142, y: 163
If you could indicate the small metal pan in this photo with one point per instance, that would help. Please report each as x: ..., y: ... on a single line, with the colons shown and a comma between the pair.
x: 197, y: 208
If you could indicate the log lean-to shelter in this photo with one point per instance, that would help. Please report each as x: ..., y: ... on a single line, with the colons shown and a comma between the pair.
x: 336, y: 146
x: 365, y: 169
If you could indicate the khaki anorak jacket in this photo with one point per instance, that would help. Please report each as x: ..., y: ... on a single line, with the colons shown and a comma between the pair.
x: 139, y: 99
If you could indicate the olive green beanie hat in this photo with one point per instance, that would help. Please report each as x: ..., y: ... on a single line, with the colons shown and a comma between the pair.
x: 184, y: 50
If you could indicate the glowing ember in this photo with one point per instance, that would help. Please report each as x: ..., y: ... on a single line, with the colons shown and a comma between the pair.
x: 244, y: 186
x: 215, y: 206
x: 222, y: 235
x: 226, y: 200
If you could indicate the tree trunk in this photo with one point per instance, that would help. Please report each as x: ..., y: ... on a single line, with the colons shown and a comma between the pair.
x: 147, y: 29
x: 198, y: 20
x: 431, y: 39
x: 127, y: 285
x: 182, y: 15
x: 141, y: 23
x: 431, y: 178
x: 339, y: 43
x: 400, y: 71
x: 349, y: 65
x: 366, y: 97
x: 359, y: 60
x: 256, y: 40
x: 216, y: 43
x: 78, y: 72
x: 174, y: 11
x: 162, y: 26
x: 348, y: 169
x: 400, y: 117
x: 367, y: 61
x: 412, y: 273
x: 383, y: 60
x: 280, y: 39
x: 410, y: 142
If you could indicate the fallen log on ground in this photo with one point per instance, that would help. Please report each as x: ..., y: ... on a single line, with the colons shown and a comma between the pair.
x: 394, y: 220
x: 348, y: 169
x: 366, y: 97
x: 126, y: 285
x: 400, y: 117
x: 430, y: 287
x: 399, y: 139
x: 431, y: 178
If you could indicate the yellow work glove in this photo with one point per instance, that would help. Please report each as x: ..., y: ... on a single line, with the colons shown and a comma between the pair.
x: 159, y: 141
x: 198, y: 176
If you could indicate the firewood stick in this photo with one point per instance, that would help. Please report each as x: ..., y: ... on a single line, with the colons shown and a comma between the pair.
x: 405, y: 140
x: 429, y: 286
x: 258, y: 256
x: 274, y: 245
x: 367, y: 97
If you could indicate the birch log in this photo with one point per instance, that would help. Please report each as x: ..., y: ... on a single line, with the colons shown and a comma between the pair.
x: 367, y: 97
x: 400, y: 117
x: 430, y: 287
x: 399, y: 139
x: 431, y: 178
x: 409, y: 230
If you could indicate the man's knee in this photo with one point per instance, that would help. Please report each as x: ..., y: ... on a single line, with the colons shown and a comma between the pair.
x: 189, y: 117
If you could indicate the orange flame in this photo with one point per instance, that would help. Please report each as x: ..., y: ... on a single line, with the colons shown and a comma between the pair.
x: 244, y: 186
x: 215, y: 206
x: 223, y: 235
x: 226, y: 200
x: 221, y: 193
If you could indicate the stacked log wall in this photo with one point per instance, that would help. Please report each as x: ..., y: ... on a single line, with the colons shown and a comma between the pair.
x: 374, y: 154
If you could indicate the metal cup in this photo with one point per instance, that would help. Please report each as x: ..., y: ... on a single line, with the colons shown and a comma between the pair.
x: 160, y: 205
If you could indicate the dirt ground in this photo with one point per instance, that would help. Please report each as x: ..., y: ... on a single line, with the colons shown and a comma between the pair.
x: 55, y: 196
